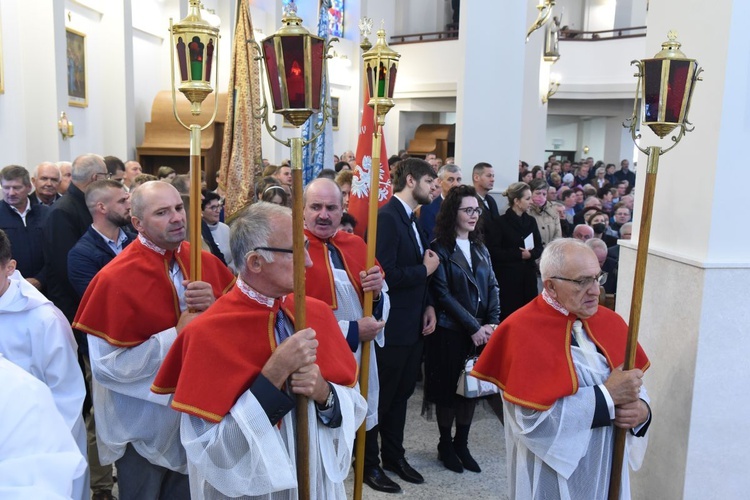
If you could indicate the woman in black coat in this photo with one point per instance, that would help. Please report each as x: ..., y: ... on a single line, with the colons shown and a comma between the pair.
x: 514, y: 264
x: 464, y: 291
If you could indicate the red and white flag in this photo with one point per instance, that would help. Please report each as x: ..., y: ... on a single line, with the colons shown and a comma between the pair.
x: 359, y: 198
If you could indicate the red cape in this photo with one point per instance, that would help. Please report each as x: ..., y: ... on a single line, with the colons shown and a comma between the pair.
x: 133, y: 297
x: 218, y: 356
x: 319, y: 281
x: 529, y: 357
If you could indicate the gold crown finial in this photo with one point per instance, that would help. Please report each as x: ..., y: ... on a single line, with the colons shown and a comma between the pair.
x: 672, y: 35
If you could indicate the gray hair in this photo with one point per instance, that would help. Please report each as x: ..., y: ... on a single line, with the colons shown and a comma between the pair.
x: 322, y: 180
x: 85, y: 166
x: 595, y: 243
x: 448, y: 167
x: 552, y: 262
x: 252, y: 228
x: 46, y: 163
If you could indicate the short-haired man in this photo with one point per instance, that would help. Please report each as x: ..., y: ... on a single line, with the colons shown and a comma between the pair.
x: 133, y: 310
x: 583, y: 232
x: 284, y: 176
x: 568, y: 199
x: 38, y: 338
x: 560, y: 413
x: 620, y: 216
x: 431, y: 158
x: 215, y: 233
x: 238, y: 427
x: 625, y: 174
x: 448, y: 176
x: 339, y: 278
x: 483, y: 179
x: 23, y: 222
x: 106, y: 237
x: 66, y: 176
x: 46, y: 179
x: 132, y: 170
x: 116, y: 169
x: 404, y: 254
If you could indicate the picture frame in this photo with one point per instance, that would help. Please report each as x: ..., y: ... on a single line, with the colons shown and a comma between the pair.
x: 76, y: 63
x: 334, y: 113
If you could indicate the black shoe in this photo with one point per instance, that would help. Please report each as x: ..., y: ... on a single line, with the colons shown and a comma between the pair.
x: 404, y: 471
x: 376, y: 479
x: 447, y: 455
x: 462, y: 452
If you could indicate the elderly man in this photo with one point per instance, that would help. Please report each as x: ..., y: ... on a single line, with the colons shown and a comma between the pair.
x: 448, y: 177
x: 238, y: 426
x: 583, y: 232
x: 339, y: 278
x: 562, y: 406
x: 133, y: 310
x: 66, y: 176
x: 46, y: 180
x: 23, y: 221
x: 132, y: 170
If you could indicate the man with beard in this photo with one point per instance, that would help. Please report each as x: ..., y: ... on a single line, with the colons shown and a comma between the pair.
x: 109, y: 205
x: 133, y: 310
x: 46, y: 179
x: 339, y: 278
x: 405, y: 256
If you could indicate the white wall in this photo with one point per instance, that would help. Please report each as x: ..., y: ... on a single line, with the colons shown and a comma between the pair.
x: 562, y: 128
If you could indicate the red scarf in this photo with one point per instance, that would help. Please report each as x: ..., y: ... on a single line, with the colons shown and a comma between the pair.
x: 218, y: 356
x: 529, y: 357
x: 319, y: 281
x: 133, y: 297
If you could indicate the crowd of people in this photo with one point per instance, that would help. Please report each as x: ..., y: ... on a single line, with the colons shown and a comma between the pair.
x: 188, y: 386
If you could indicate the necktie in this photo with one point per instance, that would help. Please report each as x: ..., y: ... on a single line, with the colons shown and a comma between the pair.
x: 338, y: 263
x: 413, y: 218
x: 281, y: 327
x: 486, y: 205
x: 586, y: 345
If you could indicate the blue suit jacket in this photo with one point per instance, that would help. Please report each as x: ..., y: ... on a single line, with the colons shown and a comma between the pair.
x: 88, y: 256
x: 428, y: 216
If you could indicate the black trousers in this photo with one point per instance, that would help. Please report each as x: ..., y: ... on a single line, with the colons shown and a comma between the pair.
x: 398, y: 367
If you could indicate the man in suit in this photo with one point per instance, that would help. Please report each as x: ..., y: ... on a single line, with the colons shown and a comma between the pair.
x: 483, y: 178
x: 46, y: 180
x: 404, y: 254
x: 448, y: 176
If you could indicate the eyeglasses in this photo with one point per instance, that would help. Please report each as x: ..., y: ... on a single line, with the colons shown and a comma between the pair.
x: 471, y: 211
x: 281, y: 250
x: 213, y: 207
x: 582, y: 283
x: 102, y: 175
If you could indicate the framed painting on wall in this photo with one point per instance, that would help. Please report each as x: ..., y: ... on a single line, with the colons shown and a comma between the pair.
x: 76, y: 63
x: 334, y: 113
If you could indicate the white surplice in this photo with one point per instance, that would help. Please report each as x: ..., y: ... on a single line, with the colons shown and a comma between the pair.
x: 37, y: 337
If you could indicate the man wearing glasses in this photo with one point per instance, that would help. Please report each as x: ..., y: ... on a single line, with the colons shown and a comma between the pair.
x: 234, y: 372
x: 558, y: 361
x: 133, y: 310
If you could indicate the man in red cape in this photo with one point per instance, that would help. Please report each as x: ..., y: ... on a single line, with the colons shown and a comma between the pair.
x: 558, y: 361
x: 234, y: 369
x: 339, y: 278
x: 133, y: 310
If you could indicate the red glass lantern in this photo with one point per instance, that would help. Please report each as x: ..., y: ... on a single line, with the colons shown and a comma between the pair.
x: 294, y: 67
x: 381, y: 66
x: 667, y: 87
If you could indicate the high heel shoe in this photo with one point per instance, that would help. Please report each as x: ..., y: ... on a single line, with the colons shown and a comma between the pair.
x: 447, y: 455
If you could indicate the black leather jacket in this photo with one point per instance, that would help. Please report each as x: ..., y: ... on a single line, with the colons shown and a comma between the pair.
x: 464, y: 300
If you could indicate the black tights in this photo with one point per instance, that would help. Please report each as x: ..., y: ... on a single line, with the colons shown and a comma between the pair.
x: 462, y: 412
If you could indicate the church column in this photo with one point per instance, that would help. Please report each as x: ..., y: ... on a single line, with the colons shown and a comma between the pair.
x: 489, y: 102
x: 695, y: 309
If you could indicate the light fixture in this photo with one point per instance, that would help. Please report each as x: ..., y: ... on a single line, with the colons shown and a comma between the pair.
x: 65, y: 126
x: 195, y: 42
x: 554, y: 84
x: 665, y: 84
x: 545, y: 11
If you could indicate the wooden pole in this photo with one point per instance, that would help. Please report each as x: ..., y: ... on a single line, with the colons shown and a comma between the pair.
x: 364, y: 363
x: 635, y: 309
x: 300, y: 315
x: 195, y: 203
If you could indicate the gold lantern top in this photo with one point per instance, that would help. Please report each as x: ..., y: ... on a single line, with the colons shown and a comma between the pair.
x: 195, y: 42
x: 381, y: 65
x: 666, y: 84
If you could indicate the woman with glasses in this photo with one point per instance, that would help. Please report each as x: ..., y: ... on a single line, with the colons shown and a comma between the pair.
x: 516, y: 245
x: 465, y: 294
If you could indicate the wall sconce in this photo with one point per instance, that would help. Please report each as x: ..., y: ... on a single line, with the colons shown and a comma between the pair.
x: 554, y: 84
x: 586, y: 150
x: 65, y: 126
x: 545, y: 11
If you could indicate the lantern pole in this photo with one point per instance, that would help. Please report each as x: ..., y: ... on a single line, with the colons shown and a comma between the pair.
x: 274, y: 52
x: 662, y: 124
x: 380, y: 64
x: 196, y: 41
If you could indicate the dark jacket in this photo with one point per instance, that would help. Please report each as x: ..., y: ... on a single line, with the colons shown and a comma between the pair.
x: 428, y: 216
x: 398, y: 253
x: 67, y: 222
x: 26, y: 241
x: 35, y: 200
x: 515, y: 276
x: 88, y: 256
x: 465, y: 299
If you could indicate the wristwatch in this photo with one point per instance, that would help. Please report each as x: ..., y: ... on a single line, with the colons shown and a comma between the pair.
x: 329, y: 400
